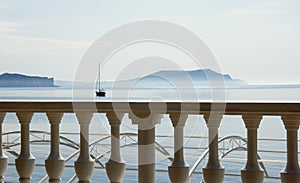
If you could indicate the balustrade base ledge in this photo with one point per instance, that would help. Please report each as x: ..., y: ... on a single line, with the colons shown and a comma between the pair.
x: 54, y: 168
x: 25, y: 168
x: 115, y: 171
x: 3, y: 165
x: 250, y: 176
x: 290, y: 177
x: 25, y: 180
x: 179, y: 174
x: 213, y: 175
x: 84, y: 170
x: 54, y: 180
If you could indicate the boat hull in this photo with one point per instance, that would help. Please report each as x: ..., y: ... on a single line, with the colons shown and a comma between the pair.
x: 100, y: 93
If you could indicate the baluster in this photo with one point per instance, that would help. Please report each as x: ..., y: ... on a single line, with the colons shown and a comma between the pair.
x: 178, y: 170
x: 291, y: 173
x: 55, y: 162
x: 252, y: 172
x: 25, y: 161
x: 3, y: 157
x: 213, y: 171
x: 84, y: 165
x: 146, y: 144
x: 115, y: 167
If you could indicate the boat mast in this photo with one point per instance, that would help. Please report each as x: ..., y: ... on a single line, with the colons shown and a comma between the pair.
x: 98, y: 78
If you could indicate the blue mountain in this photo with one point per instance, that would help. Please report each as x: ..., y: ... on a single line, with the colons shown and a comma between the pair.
x: 175, y: 78
x: 20, y: 80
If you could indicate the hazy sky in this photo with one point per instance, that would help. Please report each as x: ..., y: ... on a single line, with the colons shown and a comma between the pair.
x: 257, y: 41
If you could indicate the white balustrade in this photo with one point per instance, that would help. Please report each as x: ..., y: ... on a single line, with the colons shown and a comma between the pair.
x: 213, y: 171
x: 115, y: 167
x: 55, y: 163
x: 84, y: 165
x: 291, y: 173
x: 146, y: 119
x: 178, y: 170
x: 25, y: 161
x: 3, y: 157
x: 252, y: 172
x: 146, y: 144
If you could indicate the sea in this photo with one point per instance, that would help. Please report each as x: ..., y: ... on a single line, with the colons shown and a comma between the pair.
x: 272, y: 145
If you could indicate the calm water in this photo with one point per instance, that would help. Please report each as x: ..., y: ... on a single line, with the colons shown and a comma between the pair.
x: 283, y: 94
x: 195, y: 126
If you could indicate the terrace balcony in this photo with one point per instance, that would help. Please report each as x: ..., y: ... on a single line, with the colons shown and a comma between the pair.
x: 147, y: 117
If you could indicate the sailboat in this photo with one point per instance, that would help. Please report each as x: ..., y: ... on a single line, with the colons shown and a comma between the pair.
x: 100, y: 92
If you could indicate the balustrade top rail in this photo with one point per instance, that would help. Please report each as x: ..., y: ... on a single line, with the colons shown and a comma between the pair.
x: 232, y: 108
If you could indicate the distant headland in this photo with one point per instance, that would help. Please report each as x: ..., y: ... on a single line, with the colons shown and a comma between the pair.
x: 161, y: 79
x: 20, y: 80
x: 200, y: 78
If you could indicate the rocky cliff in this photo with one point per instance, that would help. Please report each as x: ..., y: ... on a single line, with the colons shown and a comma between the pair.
x: 19, y: 80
